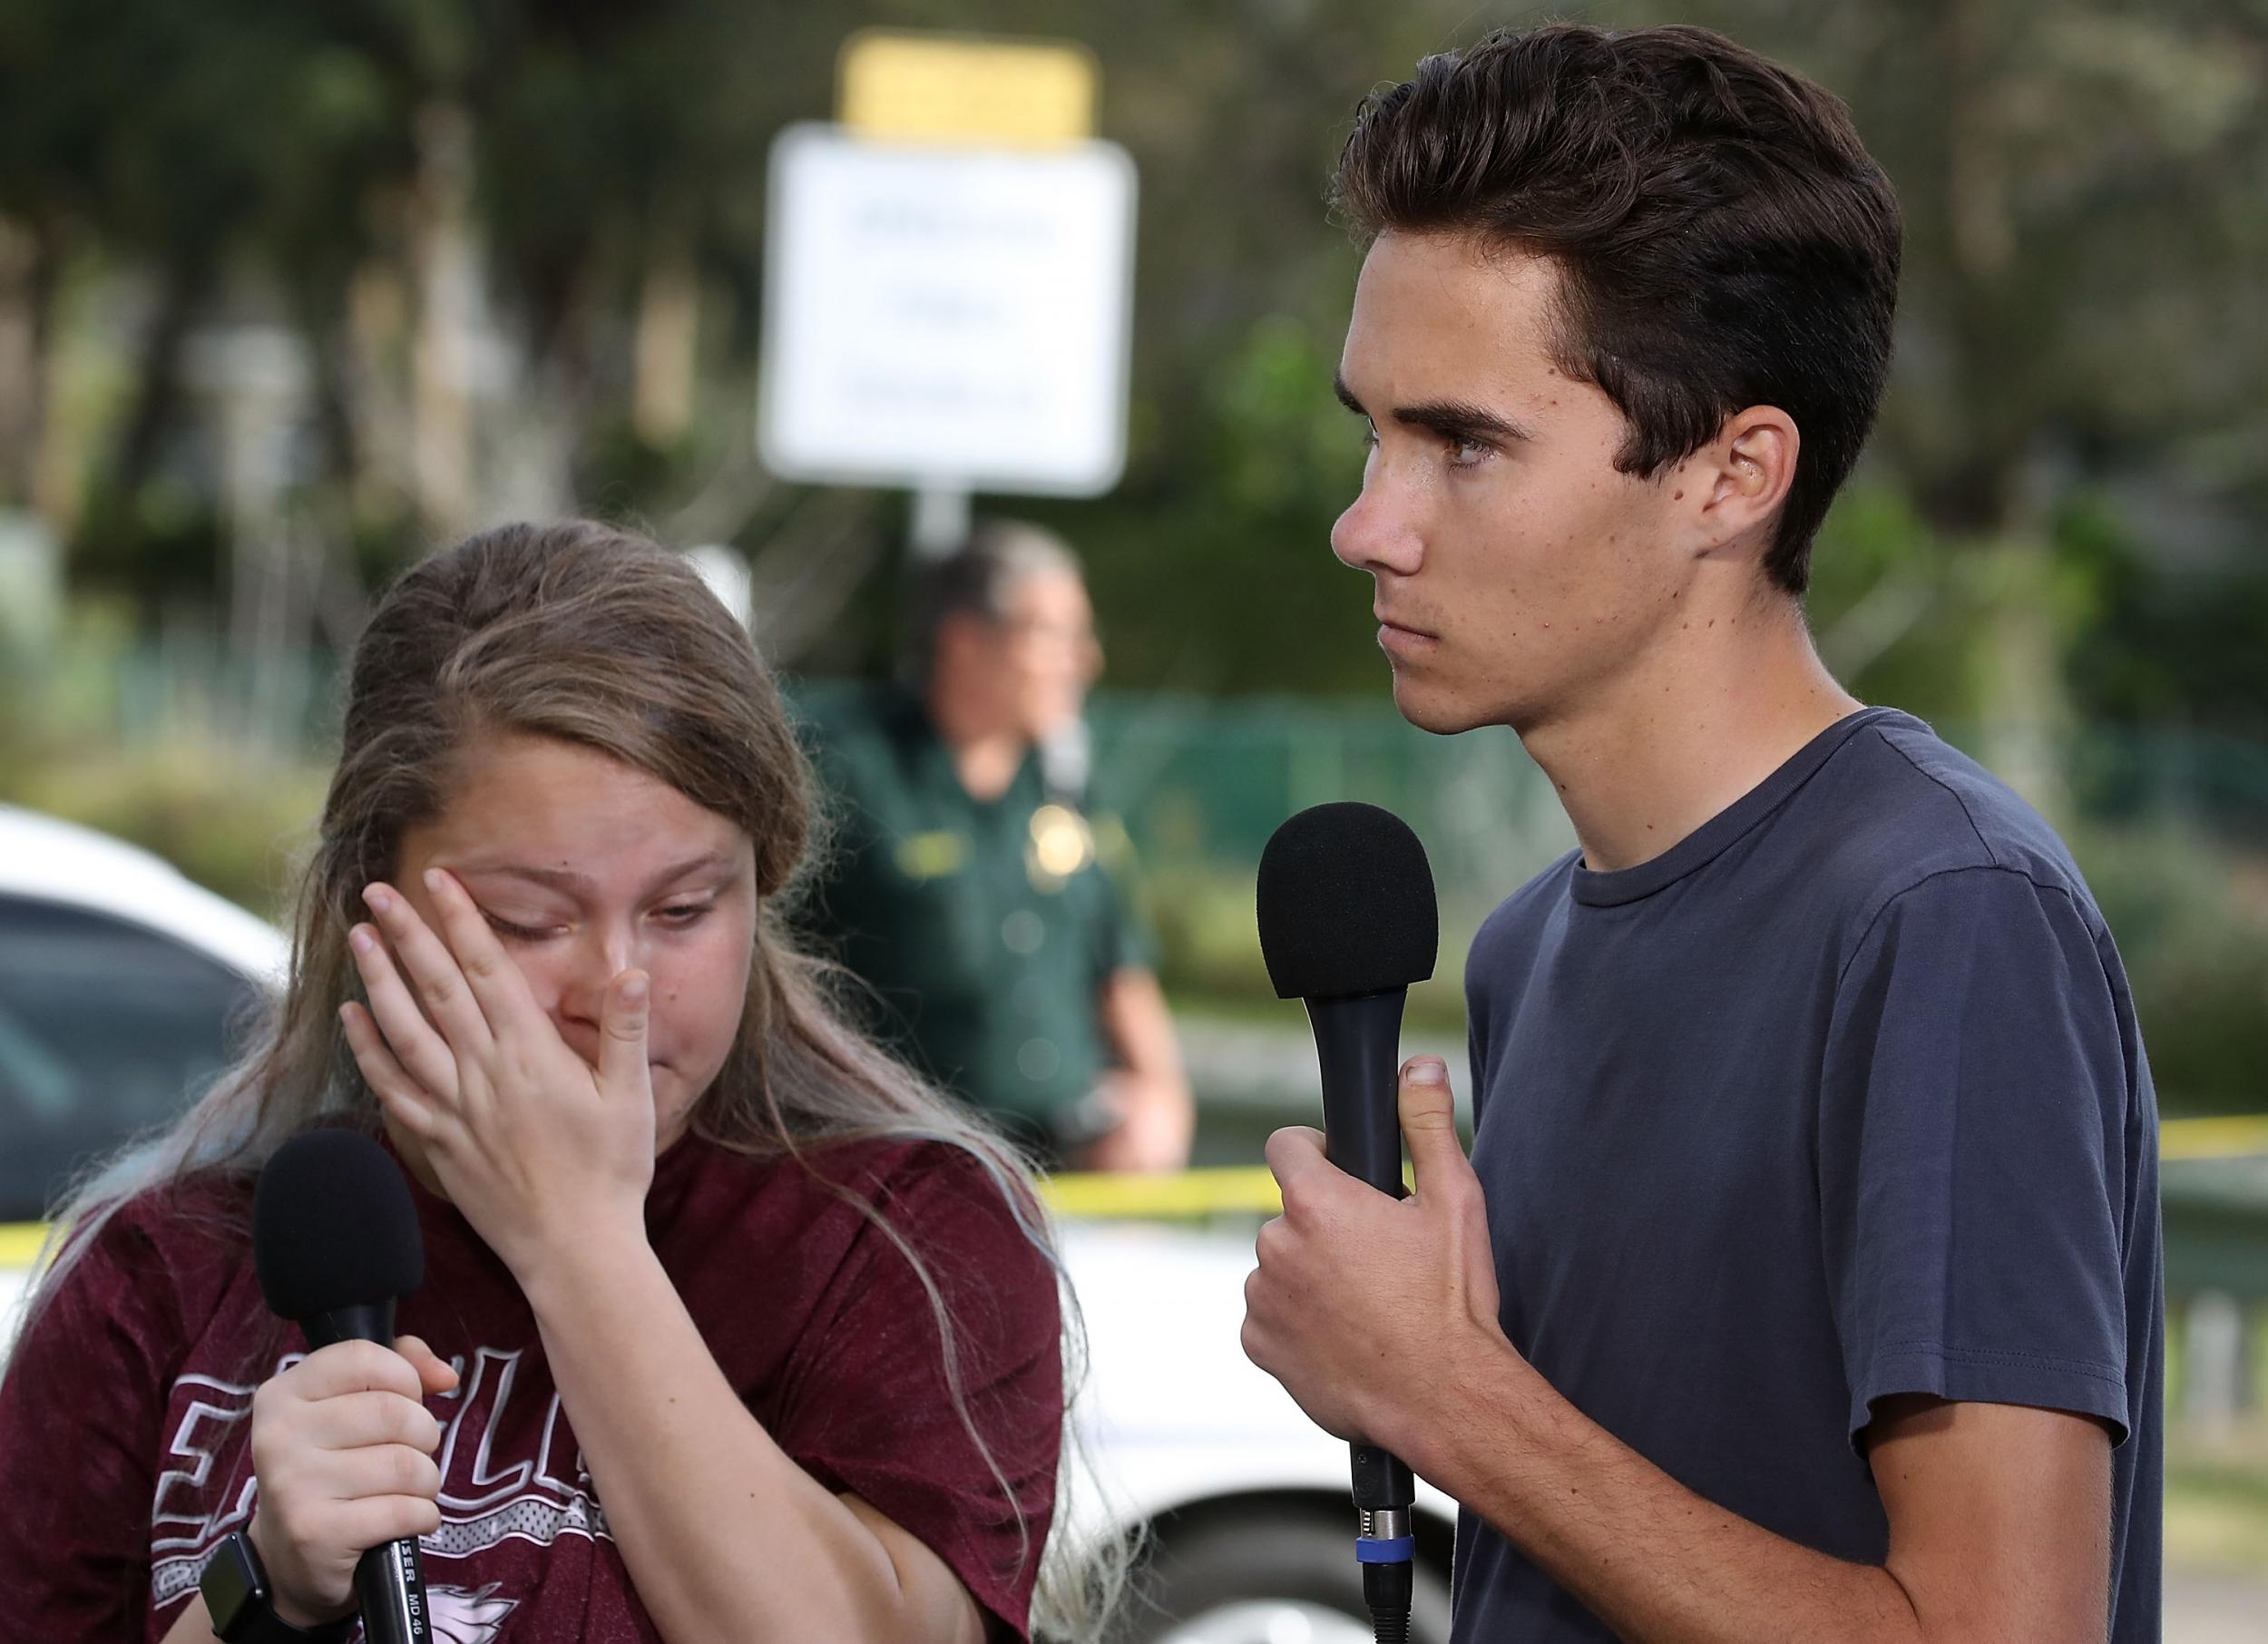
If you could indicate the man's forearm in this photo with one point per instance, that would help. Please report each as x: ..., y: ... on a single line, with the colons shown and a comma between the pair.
x: 1654, y: 1562
x: 1139, y: 1027
x: 1158, y: 1113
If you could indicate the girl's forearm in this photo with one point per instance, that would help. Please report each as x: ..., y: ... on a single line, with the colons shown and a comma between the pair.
x: 725, y: 1536
x: 193, y: 1626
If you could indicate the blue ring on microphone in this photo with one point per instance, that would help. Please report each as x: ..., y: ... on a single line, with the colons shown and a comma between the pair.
x: 1370, y: 1549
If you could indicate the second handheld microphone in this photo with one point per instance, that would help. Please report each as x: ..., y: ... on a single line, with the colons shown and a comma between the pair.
x: 1348, y: 921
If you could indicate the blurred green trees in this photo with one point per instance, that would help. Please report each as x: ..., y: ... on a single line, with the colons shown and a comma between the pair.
x: 288, y: 292
x: 520, y: 244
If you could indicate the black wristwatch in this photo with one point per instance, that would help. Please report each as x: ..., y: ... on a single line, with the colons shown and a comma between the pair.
x: 238, y: 1600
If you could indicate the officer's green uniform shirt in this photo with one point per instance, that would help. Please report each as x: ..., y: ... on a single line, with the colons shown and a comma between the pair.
x: 986, y: 927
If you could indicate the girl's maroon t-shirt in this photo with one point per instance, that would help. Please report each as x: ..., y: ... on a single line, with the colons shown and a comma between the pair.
x: 124, y: 1453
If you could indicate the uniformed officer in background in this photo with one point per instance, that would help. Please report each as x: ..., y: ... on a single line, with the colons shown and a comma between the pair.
x: 962, y: 885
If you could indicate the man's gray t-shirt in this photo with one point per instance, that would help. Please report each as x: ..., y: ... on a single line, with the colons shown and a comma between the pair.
x: 1841, y: 1097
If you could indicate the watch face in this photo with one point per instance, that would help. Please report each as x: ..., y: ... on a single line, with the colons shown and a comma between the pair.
x: 231, y: 1584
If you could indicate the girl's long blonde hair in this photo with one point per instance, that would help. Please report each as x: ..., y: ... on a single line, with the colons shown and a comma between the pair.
x: 590, y: 634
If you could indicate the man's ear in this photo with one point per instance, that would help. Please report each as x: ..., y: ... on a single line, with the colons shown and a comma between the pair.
x: 1741, y: 478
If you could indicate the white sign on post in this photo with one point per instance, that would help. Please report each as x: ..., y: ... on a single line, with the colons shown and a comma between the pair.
x: 946, y: 317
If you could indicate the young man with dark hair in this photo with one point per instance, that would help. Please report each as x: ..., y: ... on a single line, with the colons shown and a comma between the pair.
x: 1804, y: 1283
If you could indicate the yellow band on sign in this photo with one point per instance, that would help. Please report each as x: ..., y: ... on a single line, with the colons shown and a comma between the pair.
x: 959, y: 88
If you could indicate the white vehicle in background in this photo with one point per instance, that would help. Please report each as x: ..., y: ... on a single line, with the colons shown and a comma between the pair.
x: 120, y: 981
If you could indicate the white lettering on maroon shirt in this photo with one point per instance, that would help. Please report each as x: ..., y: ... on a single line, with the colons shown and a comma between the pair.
x: 500, y: 1481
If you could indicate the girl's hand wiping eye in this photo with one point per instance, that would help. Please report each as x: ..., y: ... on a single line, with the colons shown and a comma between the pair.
x: 537, y: 1147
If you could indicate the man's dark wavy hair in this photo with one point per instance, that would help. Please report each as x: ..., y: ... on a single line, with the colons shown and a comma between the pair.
x: 1723, y: 239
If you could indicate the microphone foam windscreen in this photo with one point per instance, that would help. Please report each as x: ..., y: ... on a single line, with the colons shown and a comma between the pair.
x: 1347, y: 903
x: 334, y: 1226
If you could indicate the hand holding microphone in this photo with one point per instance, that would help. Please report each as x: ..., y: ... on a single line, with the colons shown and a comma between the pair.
x: 1362, y: 1297
x: 343, y: 1447
x: 1363, y: 1305
x: 342, y: 1443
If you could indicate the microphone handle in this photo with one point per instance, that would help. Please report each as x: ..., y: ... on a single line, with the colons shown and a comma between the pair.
x: 390, y: 1586
x: 1358, y: 1043
x: 389, y: 1580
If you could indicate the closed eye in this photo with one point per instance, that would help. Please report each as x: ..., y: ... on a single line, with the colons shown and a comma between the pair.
x: 683, y: 917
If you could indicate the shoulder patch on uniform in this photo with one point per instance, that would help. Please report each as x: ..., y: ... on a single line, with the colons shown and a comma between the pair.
x: 930, y: 855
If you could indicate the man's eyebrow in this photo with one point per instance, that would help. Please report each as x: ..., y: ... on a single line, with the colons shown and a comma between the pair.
x: 1449, y: 419
x: 1460, y: 419
x: 566, y: 879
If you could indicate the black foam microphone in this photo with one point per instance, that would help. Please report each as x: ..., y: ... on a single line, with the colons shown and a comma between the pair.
x: 335, y: 1243
x: 1347, y: 922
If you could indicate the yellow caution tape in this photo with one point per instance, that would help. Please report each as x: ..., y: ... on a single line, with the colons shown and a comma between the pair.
x: 20, y: 1243
x: 2231, y: 1138
x: 1188, y: 1193
x: 1194, y: 1194
x: 1251, y: 1190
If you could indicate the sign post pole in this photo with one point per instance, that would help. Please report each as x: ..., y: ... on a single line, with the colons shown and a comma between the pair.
x: 941, y: 520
